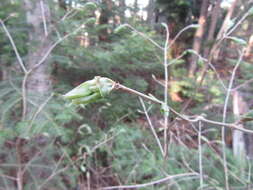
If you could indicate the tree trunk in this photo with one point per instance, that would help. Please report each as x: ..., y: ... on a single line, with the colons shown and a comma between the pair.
x: 105, y: 14
x: 122, y: 7
x: 151, y: 13
x: 198, y: 37
x: 214, y: 18
x: 62, y: 4
x: 38, y: 83
x: 242, y: 143
x: 224, y: 28
x: 239, y: 108
x: 249, y: 47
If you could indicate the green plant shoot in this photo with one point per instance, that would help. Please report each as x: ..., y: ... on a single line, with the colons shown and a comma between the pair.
x: 90, y: 91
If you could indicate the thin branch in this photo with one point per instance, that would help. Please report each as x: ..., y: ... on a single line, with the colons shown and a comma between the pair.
x: 20, y: 61
x: 151, y: 126
x: 242, y: 85
x: 166, y: 78
x: 43, y: 17
x: 180, y: 32
x: 135, y: 92
x: 163, y: 180
x: 55, y: 172
x: 176, y: 59
x: 24, y: 101
x: 217, y: 74
x: 192, y: 119
x: 144, y: 36
x: 40, y: 108
x: 8, y: 177
x: 224, y: 119
x: 237, y: 24
x: 52, y: 47
x: 27, y: 73
x: 201, y: 181
x: 102, y: 143
x: 217, y: 44
x: 67, y: 14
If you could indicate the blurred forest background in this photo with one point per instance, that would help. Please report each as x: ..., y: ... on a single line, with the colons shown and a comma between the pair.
x: 48, y: 47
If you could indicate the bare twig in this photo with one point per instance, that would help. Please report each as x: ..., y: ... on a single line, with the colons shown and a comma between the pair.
x: 166, y: 78
x: 217, y: 44
x: 55, y: 172
x: 242, y: 85
x: 135, y: 92
x: 38, y: 65
x: 144, y: 36
x: 237, y: 24
x: 67, y: 14
x: 224, y: 119
x: 20, y: 61
x: 43, y: 17
x: 201, y: 182
x: 53, y: 46
x: 24, y: 96
x: 151, y: 126
x: 163, y: 180
x: 180, y: 32
x: 40, y: 108
x: 192, y: 119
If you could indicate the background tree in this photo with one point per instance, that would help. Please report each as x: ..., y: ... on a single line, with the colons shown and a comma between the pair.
x: 199, y: 36
x: 38, y: 81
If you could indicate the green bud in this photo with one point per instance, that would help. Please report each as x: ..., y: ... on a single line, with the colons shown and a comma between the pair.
x: 87, y: 99
x: 90, y: 91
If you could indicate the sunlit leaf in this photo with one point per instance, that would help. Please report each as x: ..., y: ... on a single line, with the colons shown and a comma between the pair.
x: 238, y: 41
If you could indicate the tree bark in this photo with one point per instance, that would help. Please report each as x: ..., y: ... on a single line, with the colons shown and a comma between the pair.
x: 105, y: 14
x: 239, y: 108
x: 198, y: 37
x: 151, y: 13
x: 224, y: 28
x: 62, y: 4
x: 214, y: 18
x: 38, y: 83
x: 242, y: 143
x: 122, y: 7
x: 249, y: 47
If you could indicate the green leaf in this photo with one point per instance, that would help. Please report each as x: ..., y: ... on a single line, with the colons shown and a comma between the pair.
x: 88, y: 99
x: 120, y: 29
x: 90, y: 21
x: 105, y: 86
x: 200, y: 62
x: 247, y: 116
x: 190, y: 51
x: 250, y: 11
x: 165, y: 109
x: 90, y: 5
x: 238, y: 41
